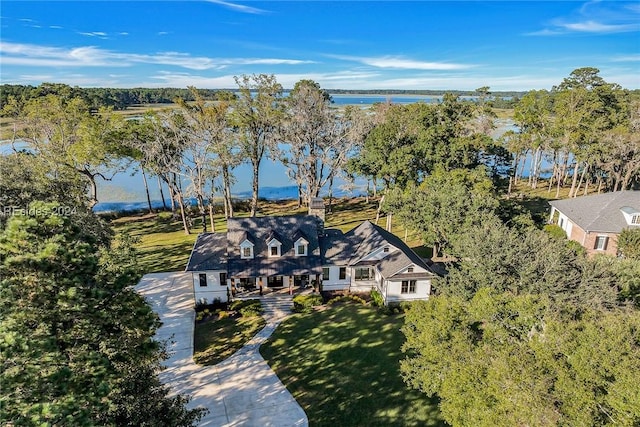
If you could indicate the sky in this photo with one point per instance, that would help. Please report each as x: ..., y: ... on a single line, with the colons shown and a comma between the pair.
x: 453, y: 45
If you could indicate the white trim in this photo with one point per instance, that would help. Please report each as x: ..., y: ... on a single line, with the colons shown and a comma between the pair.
x: 246, y: 244
x: 274, y: 243
x: 301, y: 242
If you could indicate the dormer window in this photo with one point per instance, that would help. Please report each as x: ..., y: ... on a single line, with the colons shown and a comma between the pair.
x: 246, y: 250
x: 275, y: 248
x: 301, y: 247
x: 631, y: 215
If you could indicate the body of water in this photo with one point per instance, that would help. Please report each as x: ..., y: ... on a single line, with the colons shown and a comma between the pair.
x: 126, y: 190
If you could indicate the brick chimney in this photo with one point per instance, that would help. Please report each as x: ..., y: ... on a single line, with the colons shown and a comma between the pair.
x: 316, y: 208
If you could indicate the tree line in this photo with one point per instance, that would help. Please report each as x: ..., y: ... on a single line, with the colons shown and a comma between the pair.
x: 116, y: 98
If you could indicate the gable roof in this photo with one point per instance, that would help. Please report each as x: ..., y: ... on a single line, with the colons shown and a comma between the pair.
x: 287, y: 229
x: 209, y: 252
x: 273, y: 235
x: 351, y: 247
x: 599, y: 212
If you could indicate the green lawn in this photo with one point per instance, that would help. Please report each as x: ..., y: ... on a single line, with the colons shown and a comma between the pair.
x: 215, y: 340
x: 163, y: 245
x: 341, y: 365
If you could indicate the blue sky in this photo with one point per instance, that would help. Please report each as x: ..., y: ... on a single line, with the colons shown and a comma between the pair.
x: 506, y: 45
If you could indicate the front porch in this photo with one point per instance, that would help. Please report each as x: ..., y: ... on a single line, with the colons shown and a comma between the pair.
x: 277, y: 284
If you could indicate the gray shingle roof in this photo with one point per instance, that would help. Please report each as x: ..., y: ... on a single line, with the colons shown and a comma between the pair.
x: 599, y: 212
x: 209, y: 252
x: 221, y: 251
x: 349, y: 248
x: 288, y: 229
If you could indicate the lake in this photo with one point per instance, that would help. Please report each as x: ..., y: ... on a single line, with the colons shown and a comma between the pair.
x: 126, y: 190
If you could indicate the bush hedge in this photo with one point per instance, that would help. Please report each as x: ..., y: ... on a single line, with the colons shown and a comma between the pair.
x: 305, y: 303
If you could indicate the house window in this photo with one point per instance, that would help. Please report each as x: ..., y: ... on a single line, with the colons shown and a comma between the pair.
x: 325, y: 273
x: 408, y: 287
x: 275, y: 281
x: 274, y: 250
x: 635, y: 220
x: 362, y: 273
x: 386, y: 249
x: 343, y: 273
x: 301, y: 249
x: 247, y: 252
x: 601, y: 243
x: 223, y: 279
x: 203, y: 280
x: 410, y: 270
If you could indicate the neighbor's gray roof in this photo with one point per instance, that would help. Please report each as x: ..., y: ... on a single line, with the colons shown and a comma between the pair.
x: 209, y: 253
x: 261, y: 229
x: 349, y: 248
x: 599, y: 212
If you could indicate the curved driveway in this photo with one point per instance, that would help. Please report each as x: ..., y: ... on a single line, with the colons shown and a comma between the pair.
x: 240, y: 391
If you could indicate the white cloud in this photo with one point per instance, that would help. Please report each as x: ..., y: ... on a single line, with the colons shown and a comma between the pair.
x: 91, y: 56
x: 99, y: 34
x: 595, y: 17
x: 239, y: 7
x: 597, y: 27
x: 401, y: 63
x: 626, y: 58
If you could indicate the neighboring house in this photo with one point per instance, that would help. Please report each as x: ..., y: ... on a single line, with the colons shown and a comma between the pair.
x: 596, y: 221
x: 296, y: 251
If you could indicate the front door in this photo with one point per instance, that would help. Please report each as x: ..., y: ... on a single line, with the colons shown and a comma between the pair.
x: 275, y: 281
x: 247, y: 283
x: 302, y: 280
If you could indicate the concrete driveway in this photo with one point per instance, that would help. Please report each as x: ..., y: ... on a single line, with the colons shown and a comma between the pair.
x: 240, y: 391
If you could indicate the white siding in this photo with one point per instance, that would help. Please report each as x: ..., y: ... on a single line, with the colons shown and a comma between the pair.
x: 214, y: 289
x: 379, y: 253
x: 564, y: 223
x: 416, y: 269
x: 365, y: 285
x: 334, y: 283
x: 393, y: 291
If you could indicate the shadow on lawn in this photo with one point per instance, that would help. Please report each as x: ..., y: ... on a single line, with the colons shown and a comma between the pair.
x: 342, y: 365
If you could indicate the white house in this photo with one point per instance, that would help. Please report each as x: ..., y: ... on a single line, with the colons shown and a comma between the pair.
x: 296, y: 251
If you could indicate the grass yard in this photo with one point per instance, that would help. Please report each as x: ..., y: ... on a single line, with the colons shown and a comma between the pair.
x: 341, y: 365
x: 216, y: 339
x: 163, y: 246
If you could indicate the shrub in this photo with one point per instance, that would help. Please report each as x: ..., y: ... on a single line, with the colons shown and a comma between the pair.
x: 247, y: 308
x: 555, y: 231
x: 376, y: 298
x: 354, y: 298
x: 251, y: 310
x: 304, y: 303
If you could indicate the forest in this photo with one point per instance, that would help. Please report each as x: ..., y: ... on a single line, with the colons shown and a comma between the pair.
x: 524, y: 329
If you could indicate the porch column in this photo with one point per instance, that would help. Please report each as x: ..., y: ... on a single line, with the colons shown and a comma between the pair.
x: 260, y: 284
x: 290, y: 285
x: 233, y: 287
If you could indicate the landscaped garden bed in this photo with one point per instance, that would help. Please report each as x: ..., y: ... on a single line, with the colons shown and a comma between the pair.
x: 221, y: 331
